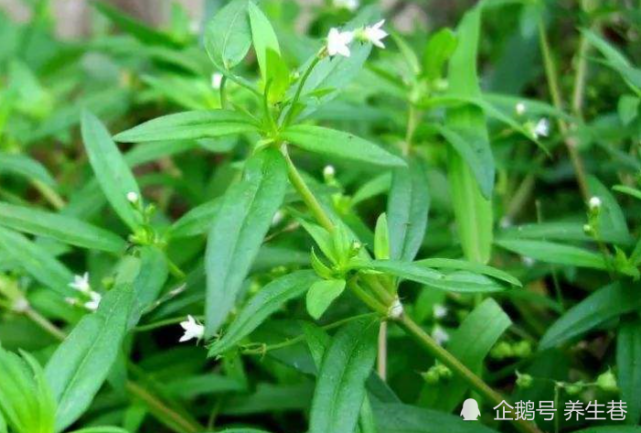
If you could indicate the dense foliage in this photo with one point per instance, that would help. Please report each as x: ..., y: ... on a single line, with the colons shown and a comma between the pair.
x: 239, y: 226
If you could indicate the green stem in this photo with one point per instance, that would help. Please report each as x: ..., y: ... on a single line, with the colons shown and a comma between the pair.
x: 223, y: 96
x: 45, y: 324
x: 162, y: 323
x: 447, y: 359
x: 553, y: 84
x: 49, y: 194
x: 303, y: 80
x: 306, y: 194
x: 410, y: 327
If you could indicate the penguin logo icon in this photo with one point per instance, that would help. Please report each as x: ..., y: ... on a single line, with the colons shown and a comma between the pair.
x: 470, y: 411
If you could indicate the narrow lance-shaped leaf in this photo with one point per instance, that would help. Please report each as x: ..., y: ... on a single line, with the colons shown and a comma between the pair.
x: 113, y: 174
x: 238, y: 231
x: 80, y: 365
x: 407, y: 210
x: 471, y: 199
x: 340, y: 386
x: 263, y: 36
x: 190, y: 125
x: 612, y: 224
x: 25, y: 166
x: 36, y: 261
x: 266, y: 302
x: 629, y: 365
x: 62, y: 228
x: 228, y: 35
x: 151, y: 277
x: 339, y: 144
x: 552, y: 252
x: 321, y: 295
x: 601, y: 306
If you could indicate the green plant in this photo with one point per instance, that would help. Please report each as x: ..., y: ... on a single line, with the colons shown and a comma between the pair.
x: 296, y: 289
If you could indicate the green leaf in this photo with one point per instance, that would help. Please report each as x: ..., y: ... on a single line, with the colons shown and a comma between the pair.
x: 228, y: 35
x: 551, y: 252
x: 190, y: 125
x: 612, y: 224
x: 401, y: 418
x: 112, y: 172
x: 628, y: 190
x: 277, y: 77
x: 148, y: 284
x: 197, y: 221
x: 628, y: 108
x: 100, y: 430
x: 438, y: 50
x: 263, y: 36
x: 62, y: 228
x: 137, y: 29
x: 601, y: 306
x: 26, y: 167
x: 629, y: 365
x: 470, y: 344
x: 340, y: 386
x: 615, y: 59
x: 321, y: 295
x: 36, y: 261
x: 265, y: 303
x: 339, y: 144
x: 381, y: 239
x: 469, y: 266
x: 407, y: 210
x: 458, y: 281
x: 475, y: 154
x: 80, y: 365
x: 471, y: 199
x: 238, y: 230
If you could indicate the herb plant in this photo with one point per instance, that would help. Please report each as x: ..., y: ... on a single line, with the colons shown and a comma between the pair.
x: 356, y: 230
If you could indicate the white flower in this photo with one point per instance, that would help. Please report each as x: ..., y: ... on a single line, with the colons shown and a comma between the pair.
x: 375, y: 34
x: 350, y: 5
x: 528, y: 261
x: 94, y: 301
x: 216, y: 80
x: 396, y: 309
x: 594, y: 203
x: 541, y: 129
x: 440, y: 335
x: 192, y: 329
x: 505, y: 222
x: 20, y: 305
x: 278, y: 217
x: 329, y: 171
x: 338, y: 42
x: 440, y: 311
x: 132, y: 197
x: 81, y: 283
x: 520, y: 108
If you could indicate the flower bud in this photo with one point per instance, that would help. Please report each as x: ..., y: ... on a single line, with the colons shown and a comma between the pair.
x: 431, y: 376
x: 607, y: 381
x: 522, y: 349
x: 502, y: 350
x: 524, y: 381
x: 443, y: 371
x: 594, y: 204
x: 132, y: 197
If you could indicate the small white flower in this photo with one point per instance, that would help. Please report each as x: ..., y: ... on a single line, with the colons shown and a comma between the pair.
x: 350, y: 5
x: 440, y: 335
x: 595, y: 203
x: 528, y: 261
x: 194, y: 27
x: 216, y: 80
x: 192, y: 329
x: 395, y: 310
x: 440, y: 311
x: 506, y: 222
x: 20, y: 305
x: 520, y: 108
x: 132, y: 197
x: 338, y: 42
x: 94, y: 301
x: 375, y: 34
x: 278, y: 217
x: 81, y: 283
x: 541, y: 129
x: 329, y: 171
